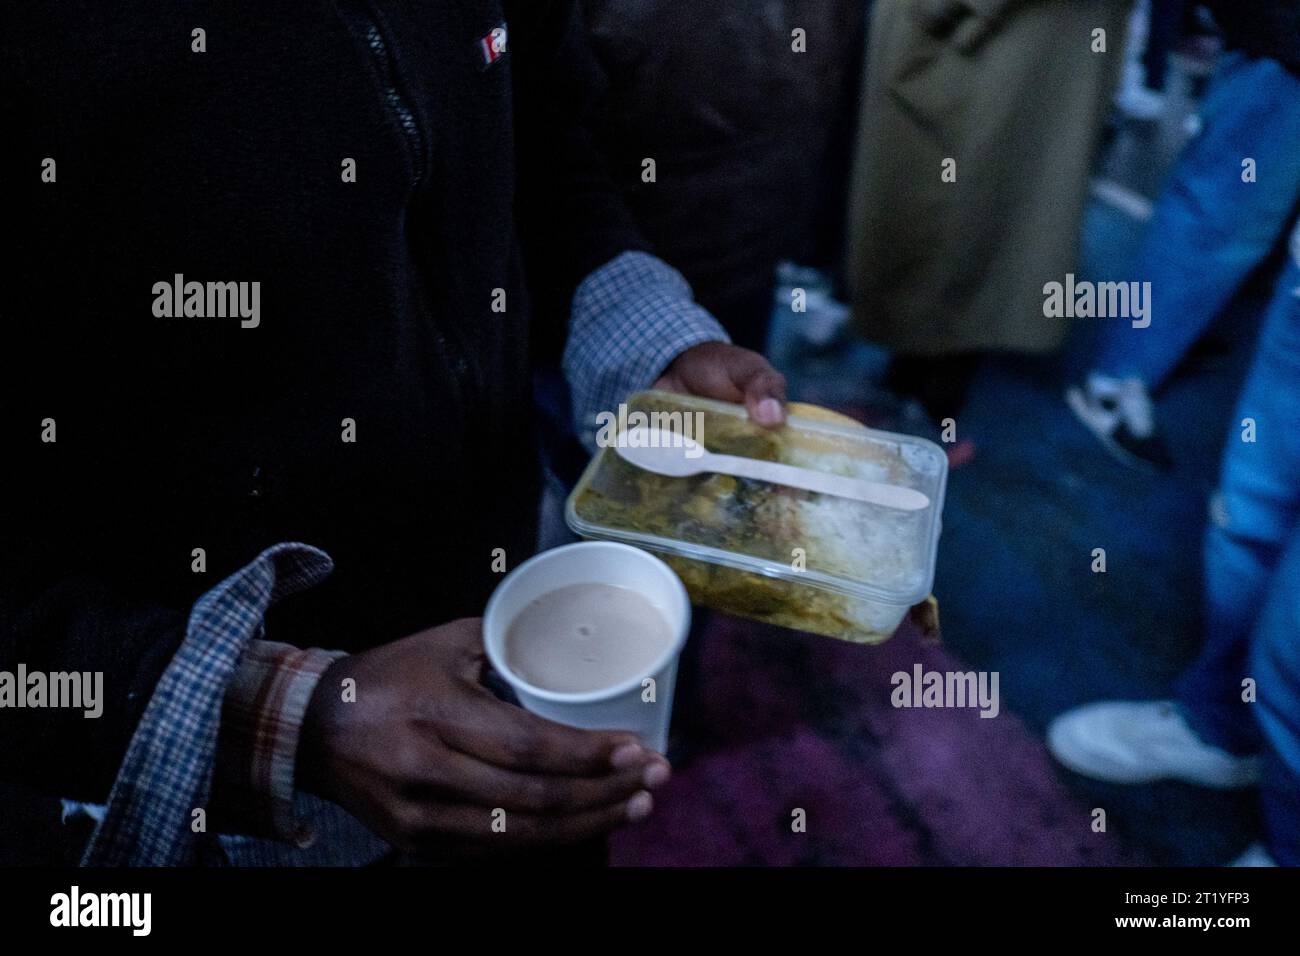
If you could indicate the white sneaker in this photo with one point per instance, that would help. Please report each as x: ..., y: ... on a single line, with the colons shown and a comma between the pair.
x: 1120, y: 413
x: 1254, y: 855
x: 1131, y: 742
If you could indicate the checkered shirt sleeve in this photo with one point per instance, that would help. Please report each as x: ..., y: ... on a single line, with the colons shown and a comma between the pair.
x: 630, y: 319
x: 258, y: 743
x: 168, y: 770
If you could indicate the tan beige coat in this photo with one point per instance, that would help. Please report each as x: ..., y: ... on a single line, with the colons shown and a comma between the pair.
x: 941, y: 267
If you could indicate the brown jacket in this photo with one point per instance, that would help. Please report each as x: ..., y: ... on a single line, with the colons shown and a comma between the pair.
x: 941, y: 267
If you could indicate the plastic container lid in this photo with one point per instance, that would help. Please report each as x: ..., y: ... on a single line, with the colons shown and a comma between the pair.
x: 855, y: 548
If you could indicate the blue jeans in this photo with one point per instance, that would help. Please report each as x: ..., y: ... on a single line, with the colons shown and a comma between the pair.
x: 1210, y: 230
x: 1252, y: 579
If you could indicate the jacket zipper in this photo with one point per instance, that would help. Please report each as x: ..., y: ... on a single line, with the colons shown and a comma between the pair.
x: 365, y: 23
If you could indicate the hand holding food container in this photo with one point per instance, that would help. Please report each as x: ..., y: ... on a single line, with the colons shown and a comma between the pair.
x: 774, y: 545
x: 821, y: 526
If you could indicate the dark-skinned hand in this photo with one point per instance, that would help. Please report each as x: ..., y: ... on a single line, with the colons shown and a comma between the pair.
x: 425, y: 754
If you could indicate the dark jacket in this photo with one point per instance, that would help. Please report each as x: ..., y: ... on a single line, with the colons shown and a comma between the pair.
x: 376, y: 307
x: 750, y: 138
x: 1269, y: 28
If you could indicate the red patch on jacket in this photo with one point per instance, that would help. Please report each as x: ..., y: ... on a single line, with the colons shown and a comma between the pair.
x: 493, y: 46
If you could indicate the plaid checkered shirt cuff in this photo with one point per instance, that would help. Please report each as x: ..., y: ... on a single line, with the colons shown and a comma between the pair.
x: 167, y: 772
x: 630, y: 319
x: 261, y: 718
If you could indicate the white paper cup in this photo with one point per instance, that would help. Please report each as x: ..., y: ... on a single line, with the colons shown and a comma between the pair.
x: 621, y: 706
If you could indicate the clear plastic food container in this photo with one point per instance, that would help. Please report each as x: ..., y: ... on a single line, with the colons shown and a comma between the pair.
x: 814, y: 562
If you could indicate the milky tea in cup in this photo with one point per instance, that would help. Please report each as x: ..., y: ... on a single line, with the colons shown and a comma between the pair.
x: 589, y: 634
x: 585, y: 637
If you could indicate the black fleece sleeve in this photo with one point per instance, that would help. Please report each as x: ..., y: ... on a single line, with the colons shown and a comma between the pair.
x: 58, y: 611
x: 571, y: 217
x: 57, y: 614
x: 75, y: 624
